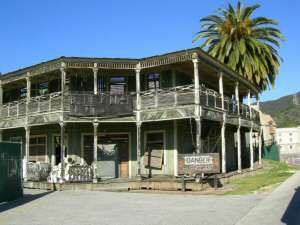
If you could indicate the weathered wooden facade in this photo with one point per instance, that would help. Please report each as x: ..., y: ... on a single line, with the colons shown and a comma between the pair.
x: 110, y: 113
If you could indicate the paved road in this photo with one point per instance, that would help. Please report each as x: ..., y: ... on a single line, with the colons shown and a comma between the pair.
x: 282, y: 206
x: 87, y: 208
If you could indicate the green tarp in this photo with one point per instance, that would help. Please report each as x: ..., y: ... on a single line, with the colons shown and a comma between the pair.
x: 271, y: 152
x: 10, y: 171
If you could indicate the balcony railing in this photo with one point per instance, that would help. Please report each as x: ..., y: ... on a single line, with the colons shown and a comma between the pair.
x: 38, y: 104
x: 185, y: 95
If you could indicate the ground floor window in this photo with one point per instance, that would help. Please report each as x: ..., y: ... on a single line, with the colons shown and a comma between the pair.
x: 37, y: 149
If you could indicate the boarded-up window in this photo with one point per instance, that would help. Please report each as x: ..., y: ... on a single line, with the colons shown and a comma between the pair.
x: 154, y: 150
x: 37, y: 149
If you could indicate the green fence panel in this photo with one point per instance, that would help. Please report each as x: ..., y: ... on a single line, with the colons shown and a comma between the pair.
x: 10, y: 171
x: 271, y: 152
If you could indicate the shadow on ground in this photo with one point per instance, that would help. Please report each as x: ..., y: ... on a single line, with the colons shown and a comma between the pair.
x: 291, y: 215
x: 22, y: 201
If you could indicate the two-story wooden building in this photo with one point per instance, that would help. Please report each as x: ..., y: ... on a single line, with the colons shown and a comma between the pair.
x: 113, y: 112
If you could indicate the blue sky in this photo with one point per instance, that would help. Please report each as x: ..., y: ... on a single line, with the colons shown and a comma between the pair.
x: 33, y: 31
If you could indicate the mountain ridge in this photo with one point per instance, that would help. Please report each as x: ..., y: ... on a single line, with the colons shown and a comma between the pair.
x: 284, y: 110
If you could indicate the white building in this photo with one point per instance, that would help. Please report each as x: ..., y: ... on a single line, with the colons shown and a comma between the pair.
x: 288, y: 140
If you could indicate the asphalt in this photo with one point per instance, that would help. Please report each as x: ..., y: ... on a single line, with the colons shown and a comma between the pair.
x: 113, y: 208
x: 282, y: 206
x: 38, y: 207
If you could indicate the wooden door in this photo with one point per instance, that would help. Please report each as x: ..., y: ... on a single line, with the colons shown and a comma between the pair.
x: 124, y: 158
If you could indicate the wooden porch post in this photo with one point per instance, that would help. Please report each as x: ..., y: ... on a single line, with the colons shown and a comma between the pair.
x: 175, y: 142
x: 238, y: 132
x: 138, y: 118
x: 251, y: 133
x: 26, y: 158
x: 62, y: 152
x: 197, y: 103
x: 95, y: 124
x: 95, y: 71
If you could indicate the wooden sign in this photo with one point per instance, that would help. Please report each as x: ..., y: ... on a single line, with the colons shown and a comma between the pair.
x: 155, y: 158
x: 191, y: 164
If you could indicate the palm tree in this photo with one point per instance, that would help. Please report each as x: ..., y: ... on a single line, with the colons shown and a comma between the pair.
x: 247, y: 45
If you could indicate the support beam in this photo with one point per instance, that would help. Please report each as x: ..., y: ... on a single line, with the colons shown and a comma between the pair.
x: 95, y: 125
x: 62, y: 150
x: 239, y: 149
x: 95, y: 72
x: 175, y: 143
x: 251, y: 148
x: 26, y: 156
x: 223, y: 146
x: 138, y: 147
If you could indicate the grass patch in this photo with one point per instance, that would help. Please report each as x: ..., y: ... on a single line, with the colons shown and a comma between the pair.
x: 272, y: 173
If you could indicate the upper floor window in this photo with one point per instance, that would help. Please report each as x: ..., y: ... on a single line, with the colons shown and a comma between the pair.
x: 117, y: 85
x: 153, y: 81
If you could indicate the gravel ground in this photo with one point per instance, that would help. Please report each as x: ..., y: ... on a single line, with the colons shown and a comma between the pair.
x: 113, y: 208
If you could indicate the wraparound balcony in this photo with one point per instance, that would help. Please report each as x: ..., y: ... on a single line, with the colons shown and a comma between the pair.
x: 88, y: 104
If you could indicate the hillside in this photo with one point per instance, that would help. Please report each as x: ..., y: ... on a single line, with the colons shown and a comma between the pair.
x: 285, y: 110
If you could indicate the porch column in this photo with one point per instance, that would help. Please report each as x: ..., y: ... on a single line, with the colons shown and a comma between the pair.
x: 175, y: 143
x: 1, y: 94
x: 28, y: 92
x: 63, y: 82
x: 260, y: 132
x: 95, y: 71
x: 1, y: 135
x: 197, y: 103
x: 138, y: 147
x: 250, y: 133
x: 62, y: 152
x: 95, y: 124
x: 196, y: 79
x: 223, y: 146
x: 249, y: 103
x: 221, y: 89
x: 198, y: 135
x: 260, y: 146
x: 26, y: 157
x: 138, y: 118
x: 251, y: 148
x: 238, y: 132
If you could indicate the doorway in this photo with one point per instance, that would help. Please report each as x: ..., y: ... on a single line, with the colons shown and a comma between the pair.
x: 113, y: 154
